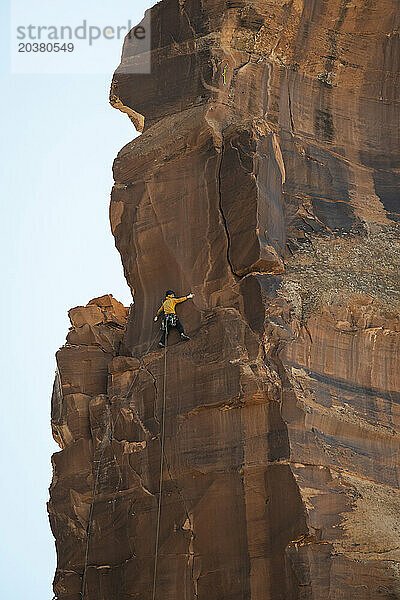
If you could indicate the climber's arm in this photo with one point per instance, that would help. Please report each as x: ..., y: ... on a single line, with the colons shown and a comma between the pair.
x: 183, y: 299
x: 160, y: 310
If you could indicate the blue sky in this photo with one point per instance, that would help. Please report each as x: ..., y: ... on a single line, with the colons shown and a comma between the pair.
x: 59, y: 139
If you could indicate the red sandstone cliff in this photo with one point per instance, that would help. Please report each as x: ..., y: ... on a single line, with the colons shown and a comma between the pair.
x: 274, y: 197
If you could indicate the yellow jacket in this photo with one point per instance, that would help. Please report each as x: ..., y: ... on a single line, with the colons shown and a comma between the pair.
x: 168, y: 306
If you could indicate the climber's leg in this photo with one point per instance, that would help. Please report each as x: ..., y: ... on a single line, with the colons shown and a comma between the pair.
x: 161, y: 343
x: 163, y: 335
x: 179, y: 327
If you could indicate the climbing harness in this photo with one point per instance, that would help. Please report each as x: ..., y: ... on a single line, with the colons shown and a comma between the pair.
x: 169, y: 321
x: 161, y: 459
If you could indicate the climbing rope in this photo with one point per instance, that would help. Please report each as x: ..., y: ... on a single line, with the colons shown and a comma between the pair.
x: 95, y: 487
x: 161, y: 464
x: 110, y: 432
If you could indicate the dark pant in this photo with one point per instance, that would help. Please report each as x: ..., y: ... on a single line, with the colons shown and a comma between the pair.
x: 168, y: 325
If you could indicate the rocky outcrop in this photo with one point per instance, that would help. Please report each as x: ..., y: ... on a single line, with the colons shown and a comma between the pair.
x: 266, y: 181
x: 79, y: 417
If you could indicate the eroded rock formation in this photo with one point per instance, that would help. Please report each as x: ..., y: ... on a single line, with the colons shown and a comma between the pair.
x: 266, y: 181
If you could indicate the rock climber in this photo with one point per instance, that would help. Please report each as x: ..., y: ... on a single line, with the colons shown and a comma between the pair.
x: 170, y: 318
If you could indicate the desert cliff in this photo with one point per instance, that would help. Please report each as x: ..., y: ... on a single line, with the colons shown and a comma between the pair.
x: 266, y: 181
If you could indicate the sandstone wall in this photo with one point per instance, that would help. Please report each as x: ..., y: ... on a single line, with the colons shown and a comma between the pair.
x: 266, y: 181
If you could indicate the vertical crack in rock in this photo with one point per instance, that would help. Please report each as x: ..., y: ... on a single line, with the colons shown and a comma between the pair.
x: 290, y: 110
x: 154, y: 379
x: 183, y: 12
x: 221, y: 210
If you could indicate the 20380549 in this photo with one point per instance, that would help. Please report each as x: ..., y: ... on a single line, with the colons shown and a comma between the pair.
x: 49, y: 47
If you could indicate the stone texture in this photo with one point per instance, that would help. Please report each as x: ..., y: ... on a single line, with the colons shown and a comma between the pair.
x: 78, y: 410
x: 274, y: 197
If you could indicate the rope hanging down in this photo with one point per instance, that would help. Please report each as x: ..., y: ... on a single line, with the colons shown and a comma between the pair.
x: 161, y: 465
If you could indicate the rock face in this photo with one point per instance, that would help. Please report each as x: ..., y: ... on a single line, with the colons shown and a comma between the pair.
x: 266, y: 181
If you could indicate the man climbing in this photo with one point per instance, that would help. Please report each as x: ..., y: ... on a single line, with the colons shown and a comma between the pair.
x: 170, y: 318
